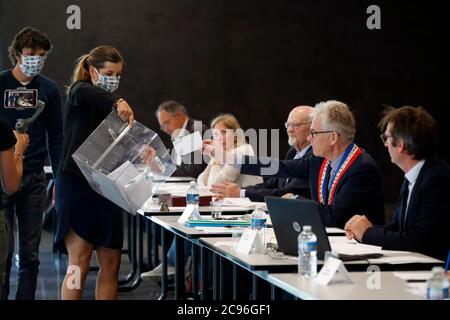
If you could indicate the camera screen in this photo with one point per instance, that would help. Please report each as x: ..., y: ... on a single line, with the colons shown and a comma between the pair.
x: 20, y: 98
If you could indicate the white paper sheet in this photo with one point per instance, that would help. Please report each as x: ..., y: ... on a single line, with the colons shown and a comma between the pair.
x: 351, y: 247
x: 188, y: 144
x: 334, y: 230
x: 214, y: 229
x: 403, y: 259
x: 180, y: 189
x: 243, y: 202
x: 223, y: 244
x: 118, y: 171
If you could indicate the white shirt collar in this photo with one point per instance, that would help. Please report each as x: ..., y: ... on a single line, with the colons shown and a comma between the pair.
x: 336, y: 161
x: 413, y: 173
x: 302, y: 152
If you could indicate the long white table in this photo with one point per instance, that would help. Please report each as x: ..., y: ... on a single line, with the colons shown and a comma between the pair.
x: 262, y: 265
x: 365, y: 287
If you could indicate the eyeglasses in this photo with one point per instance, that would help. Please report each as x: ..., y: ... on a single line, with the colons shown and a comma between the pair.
x: 384, y: 137
x: 164, y: 125
x: 312, y: 132
x: 295, y: 125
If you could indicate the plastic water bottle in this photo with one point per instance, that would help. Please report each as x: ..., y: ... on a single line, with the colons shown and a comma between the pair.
x: 437, y: 285
x: 258, y: 223
x: 192, y: 196
x: 307, y: 253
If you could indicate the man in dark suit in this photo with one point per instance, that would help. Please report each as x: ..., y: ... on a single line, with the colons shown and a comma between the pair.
x: 297, y: 127
x: 422, y: 217
x: 343, y: 178
x: 174, y: 120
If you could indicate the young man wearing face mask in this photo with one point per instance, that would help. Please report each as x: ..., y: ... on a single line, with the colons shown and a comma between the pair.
x: 28, y: 52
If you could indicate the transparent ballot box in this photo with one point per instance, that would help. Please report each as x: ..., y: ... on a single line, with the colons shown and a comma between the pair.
x: 124, y: 164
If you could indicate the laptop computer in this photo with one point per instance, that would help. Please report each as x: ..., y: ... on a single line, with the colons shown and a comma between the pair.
x: 290, y: 215
x: 288, y: 218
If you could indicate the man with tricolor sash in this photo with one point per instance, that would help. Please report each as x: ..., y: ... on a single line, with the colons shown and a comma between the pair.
x: 343, y: 178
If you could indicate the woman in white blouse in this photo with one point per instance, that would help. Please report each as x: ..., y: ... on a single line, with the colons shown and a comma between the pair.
x: 228, y: 138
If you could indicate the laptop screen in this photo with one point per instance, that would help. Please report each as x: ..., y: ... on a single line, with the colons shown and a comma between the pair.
x: 288, y: 218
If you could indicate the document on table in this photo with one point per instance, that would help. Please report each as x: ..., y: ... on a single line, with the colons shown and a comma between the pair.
x: 180, y: 189
x: 345, y: 246
x: 243, y: 202
x: 403, y: 259
x: 214, y: 229
x: 334, y: 230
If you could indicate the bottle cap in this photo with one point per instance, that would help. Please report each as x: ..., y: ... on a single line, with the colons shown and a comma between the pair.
x: 306, y: 228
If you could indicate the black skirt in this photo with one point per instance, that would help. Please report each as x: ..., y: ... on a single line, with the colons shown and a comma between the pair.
x: 91, y: 216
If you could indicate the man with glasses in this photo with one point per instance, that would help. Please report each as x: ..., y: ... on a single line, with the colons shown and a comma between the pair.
x: 297, y: 126
x: 28, y: 52
x: 174, y: 120
x: 421, y: 219
x: 343, y: 177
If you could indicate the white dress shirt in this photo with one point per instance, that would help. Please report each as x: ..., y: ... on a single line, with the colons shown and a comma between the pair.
x: 179, y: 133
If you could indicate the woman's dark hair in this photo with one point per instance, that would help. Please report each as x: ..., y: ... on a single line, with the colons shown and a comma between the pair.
x: 96, y: 58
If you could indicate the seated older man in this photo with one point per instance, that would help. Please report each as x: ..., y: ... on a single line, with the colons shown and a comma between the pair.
x: 297, y: 126
x: 343, y: 177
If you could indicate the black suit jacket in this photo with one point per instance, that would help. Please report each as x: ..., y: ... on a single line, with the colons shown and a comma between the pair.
x: 188, y: 167
x: 277, y: 187
x: 427, y: 220
x: 359, y: 190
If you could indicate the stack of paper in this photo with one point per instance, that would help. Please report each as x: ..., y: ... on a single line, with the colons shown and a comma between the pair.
x: 404, y: 259
x: 351, y: 247
x: 215, y: 229
x: 243, y: 202
x: 217, y: 223
x: 180, y: 189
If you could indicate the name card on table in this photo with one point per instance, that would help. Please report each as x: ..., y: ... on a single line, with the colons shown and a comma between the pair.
x: 190, y: 211
x: 246, y: 243
x: 331, y: 267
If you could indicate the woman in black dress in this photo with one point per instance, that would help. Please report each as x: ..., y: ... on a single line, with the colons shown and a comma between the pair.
x: 86, y: 221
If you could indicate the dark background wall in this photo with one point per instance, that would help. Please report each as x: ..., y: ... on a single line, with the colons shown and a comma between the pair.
x: 258, y: 58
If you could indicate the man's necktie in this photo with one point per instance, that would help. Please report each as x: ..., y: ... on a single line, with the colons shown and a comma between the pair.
x: 403, y: 202
x: 326, y: 183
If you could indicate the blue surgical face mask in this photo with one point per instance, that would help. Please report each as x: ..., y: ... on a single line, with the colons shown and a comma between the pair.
x: 108, y: 83
x: 32, y: 65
